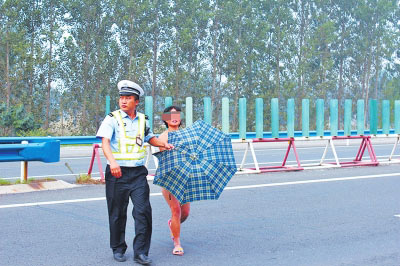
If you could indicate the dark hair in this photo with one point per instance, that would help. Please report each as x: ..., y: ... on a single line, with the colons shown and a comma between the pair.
x: 168, y: 109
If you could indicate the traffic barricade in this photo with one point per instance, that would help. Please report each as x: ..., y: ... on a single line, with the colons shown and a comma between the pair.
x: 364, y: 145
x: 263, y: 169
x: 96, y: 155
x: 392, y: 154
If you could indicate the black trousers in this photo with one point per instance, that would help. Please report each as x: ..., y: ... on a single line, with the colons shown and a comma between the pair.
x: 132, y: 184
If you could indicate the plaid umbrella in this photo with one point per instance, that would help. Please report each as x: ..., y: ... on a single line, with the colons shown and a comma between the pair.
x: 200, y: 165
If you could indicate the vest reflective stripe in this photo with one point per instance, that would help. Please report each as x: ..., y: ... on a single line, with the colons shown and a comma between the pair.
x: 127, y: 147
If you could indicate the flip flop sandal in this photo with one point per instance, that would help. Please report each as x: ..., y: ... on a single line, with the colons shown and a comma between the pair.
x: 178, y: 250
x: 170, y: 230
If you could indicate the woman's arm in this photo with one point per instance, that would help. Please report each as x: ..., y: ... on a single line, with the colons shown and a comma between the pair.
x: 163, y: 137
x: 161, y: 142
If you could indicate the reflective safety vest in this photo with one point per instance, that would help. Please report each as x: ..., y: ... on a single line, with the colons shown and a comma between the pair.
x: 128, y: 149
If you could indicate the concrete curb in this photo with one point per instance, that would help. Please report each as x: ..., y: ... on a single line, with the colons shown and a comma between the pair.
x: 35, y: 186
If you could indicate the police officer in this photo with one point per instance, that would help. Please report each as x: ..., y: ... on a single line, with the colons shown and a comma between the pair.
x: 123, y: 133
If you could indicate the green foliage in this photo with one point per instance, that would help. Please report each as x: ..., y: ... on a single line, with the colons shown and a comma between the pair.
x: 6, y: 119
x: 39, y: 132
x: 16, y: 119
x: 59, y: 59
x: 22, y: 120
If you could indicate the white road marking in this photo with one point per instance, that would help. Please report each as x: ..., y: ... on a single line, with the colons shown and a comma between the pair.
x: 49, y: 202
x: 314, y: 181
x: 58, y: 202
x: 227, y: 188
x: 76, y: 158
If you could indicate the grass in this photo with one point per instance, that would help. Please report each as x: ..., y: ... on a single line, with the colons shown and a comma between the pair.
x: 43, y: 179
x: 87, y: 179
x: 4, y: 182
x: 30, y: 180
x: 80, y: 179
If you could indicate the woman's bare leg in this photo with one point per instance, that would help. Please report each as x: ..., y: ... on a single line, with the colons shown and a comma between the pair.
x: 175, y: 207
x: 185, y: 209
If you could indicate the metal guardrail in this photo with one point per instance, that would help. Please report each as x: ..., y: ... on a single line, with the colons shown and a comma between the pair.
x: 46, y: 151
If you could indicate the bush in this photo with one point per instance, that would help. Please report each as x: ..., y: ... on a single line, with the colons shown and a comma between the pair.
x: 40, y: 132
x: 15, y: 119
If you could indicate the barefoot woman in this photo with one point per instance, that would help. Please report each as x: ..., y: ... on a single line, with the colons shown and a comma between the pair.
x: 179, y: 212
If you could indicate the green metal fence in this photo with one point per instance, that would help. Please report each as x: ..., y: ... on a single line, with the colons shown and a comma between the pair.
x: 350, y: 119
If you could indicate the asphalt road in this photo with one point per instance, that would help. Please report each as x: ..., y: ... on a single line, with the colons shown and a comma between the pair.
x: 347, y: 216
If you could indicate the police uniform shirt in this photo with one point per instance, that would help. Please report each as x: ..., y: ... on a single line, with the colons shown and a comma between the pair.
x: 109, y: 129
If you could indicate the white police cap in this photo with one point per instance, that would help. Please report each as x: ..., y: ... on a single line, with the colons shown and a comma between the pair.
x: 127, y: 87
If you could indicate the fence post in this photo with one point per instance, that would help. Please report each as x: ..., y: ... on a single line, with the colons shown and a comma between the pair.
x: 333, y: 117
x: 290, y: 118
x: 167, y: 102
x: 108, y: 104
x: 397, y: 116
x: 259, y: 117
x: 373, y: 116
x: 24, y: 167
x: 360, y: 117
x: 275, y: 117
x: 207, y: 110
x: 242, y: 118
x: 189, y: 111
x: 386, y: 117
x: 320, y: 117
x: 225, y: 115
x: 305, y: 117
x: 347, y: 117
x: 148, y: 110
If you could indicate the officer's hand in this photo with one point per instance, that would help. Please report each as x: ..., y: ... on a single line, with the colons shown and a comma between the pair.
x: 115, y: 170
x: 168, y: 146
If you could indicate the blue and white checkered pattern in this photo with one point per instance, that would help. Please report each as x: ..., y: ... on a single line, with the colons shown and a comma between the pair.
x: 200, y: 165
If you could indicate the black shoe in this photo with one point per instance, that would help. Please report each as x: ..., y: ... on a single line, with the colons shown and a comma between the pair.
x: 119, y: 257
x: 142, y: 259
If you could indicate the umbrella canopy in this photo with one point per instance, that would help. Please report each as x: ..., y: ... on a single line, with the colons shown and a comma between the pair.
x: 200, y: 165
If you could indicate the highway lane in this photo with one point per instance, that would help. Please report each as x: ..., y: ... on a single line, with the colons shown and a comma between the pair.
x: 76, y: 160
x: 345, y: 216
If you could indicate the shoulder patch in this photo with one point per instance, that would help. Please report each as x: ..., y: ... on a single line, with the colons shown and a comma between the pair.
x: 111, y: 114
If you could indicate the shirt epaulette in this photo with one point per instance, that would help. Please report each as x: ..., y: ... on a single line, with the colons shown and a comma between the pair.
x: 146, y: 117
x: 111, y: 114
